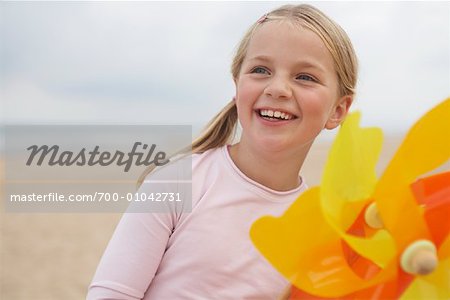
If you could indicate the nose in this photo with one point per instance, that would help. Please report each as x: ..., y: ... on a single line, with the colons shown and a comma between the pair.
x: 279, y: 88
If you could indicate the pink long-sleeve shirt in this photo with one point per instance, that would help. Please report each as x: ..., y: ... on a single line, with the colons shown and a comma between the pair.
x: 203, y: 254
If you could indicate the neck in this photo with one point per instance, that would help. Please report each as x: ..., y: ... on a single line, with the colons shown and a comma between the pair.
x: 278, y: 170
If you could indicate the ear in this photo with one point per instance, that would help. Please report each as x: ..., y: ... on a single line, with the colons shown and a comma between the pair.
x: 339, y: 112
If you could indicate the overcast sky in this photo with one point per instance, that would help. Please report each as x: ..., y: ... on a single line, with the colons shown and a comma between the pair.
x: 168, y: 63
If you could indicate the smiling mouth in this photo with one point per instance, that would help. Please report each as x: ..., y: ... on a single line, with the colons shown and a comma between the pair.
x: 272, y: 115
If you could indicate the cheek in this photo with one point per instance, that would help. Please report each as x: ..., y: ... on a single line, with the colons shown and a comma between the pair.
x: 246, y: 91
x: 240, y: 97
x: 245, y: 101
x: 317, y: 106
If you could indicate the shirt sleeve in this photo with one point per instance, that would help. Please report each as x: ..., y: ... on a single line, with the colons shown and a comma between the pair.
x: 140, y: 240
x: 132, y: 256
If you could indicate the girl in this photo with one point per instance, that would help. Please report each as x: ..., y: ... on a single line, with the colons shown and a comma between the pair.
x: 295, y: 74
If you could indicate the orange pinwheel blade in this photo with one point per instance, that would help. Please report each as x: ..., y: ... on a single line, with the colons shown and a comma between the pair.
x: 433, y: 193
x: 386, y: 290
x: 426, y: 187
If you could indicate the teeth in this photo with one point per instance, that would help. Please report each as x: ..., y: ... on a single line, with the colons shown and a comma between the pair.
x: 275, y: 114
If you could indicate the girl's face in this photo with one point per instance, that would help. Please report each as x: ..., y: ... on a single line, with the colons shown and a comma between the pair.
x: 287, y: 90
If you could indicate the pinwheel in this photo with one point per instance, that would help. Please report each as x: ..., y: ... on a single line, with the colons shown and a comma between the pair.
x: 359, y: 237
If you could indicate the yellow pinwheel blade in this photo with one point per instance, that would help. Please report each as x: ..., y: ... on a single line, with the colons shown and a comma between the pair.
x: 426, y: 146
x: 288, y: 240
x: 347, y: 184
x: 349, y: 175
x: 308, y: 252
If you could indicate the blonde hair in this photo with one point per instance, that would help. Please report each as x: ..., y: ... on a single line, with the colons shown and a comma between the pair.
x: 221, y: 129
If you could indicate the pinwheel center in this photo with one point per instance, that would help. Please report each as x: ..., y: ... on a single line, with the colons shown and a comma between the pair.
x: 419, y: 258
x: 372, y: 217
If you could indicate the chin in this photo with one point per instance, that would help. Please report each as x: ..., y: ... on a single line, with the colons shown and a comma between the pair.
x: 274, y: 144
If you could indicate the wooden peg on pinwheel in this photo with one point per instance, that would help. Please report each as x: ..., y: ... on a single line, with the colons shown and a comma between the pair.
x: 359, y: 237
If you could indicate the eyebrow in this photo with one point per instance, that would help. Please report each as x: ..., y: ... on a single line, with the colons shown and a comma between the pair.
x: 305, y: 64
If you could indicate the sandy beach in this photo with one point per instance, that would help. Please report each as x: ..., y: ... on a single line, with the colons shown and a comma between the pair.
x: 54, y: 256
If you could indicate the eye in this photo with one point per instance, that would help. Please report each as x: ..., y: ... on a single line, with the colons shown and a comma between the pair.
x: 306, y: 77
x: 260, y: 70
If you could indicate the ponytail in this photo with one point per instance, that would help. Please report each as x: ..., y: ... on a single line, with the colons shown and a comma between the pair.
x: 220, y: 131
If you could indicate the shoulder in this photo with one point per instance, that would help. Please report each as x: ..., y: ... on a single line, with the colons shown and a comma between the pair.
x: 207, y: 158
x: 186, y: 173
x: 182, y: 165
